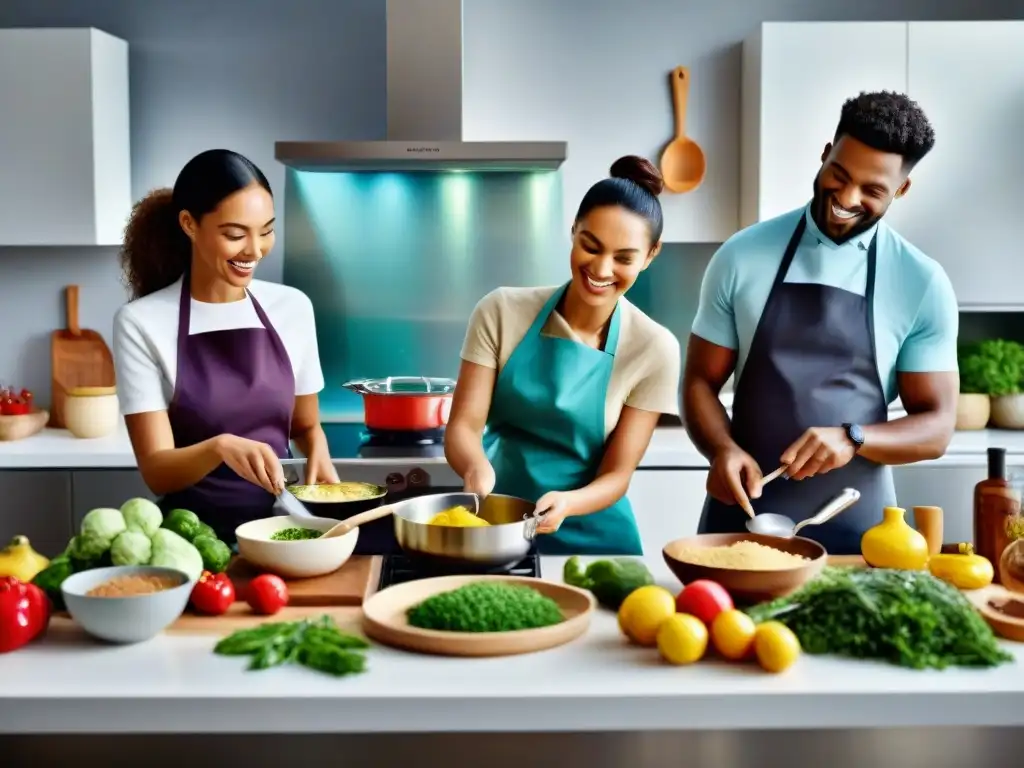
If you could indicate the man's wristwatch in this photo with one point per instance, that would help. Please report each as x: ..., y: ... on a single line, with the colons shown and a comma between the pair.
x: 855, y: 435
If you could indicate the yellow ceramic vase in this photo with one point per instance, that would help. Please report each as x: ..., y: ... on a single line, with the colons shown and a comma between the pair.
x: 893, y: 543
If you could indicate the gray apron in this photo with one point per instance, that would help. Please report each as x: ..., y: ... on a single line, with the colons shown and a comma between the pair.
x: 811, y: 364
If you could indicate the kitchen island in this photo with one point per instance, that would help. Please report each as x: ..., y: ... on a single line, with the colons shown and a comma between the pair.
x: 596, y: 700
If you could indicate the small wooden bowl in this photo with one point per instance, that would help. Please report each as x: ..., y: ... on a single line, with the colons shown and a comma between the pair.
x: 384, y: 619
x: 23, y: 425
x: 748, y: 586
x: 989, y: 601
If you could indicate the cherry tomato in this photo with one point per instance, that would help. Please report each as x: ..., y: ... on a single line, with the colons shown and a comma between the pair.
x: 213, y: 594
x: 26, y: 395
x: 704, y: 599
x: 267, y: 594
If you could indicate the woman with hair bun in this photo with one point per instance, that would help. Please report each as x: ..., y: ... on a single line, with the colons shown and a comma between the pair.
x: 216, y: 372
x: 569, y: 381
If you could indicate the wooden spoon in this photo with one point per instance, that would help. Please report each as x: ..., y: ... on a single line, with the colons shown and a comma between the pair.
x: 356, y: 520
x: 748, y: 508
x: 682, y: 162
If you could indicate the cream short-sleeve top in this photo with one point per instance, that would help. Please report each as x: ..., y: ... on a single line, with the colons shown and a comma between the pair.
x: 645, y: 373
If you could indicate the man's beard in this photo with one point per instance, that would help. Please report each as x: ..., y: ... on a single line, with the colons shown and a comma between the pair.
x: 820, y: 204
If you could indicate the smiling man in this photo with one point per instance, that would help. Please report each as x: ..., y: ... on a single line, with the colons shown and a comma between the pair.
x: 826, y: 314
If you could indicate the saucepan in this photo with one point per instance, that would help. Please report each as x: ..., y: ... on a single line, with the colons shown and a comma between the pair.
x: 495, y: 547
x: 405, y: 403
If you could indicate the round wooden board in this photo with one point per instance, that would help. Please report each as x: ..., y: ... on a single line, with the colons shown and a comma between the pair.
x: 384, y: 619
x: 1005, y: 626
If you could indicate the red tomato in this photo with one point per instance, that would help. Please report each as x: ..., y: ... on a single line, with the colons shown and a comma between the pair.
x: 267, y: 594
x: 213, y: 594
x: 704, y: 599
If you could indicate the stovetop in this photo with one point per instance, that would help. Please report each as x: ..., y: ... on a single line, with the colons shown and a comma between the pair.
x: 399, y: 569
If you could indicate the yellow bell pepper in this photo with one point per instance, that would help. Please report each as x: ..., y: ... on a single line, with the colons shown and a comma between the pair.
x: 962, y: 571
x: 19, y: 560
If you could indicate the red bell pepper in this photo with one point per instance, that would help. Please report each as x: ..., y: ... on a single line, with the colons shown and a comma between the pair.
x: 213, y: 594
x: 24, y: 613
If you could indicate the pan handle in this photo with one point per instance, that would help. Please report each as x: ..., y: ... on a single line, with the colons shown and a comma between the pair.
x: 356, y: 386
x: 530, y: 529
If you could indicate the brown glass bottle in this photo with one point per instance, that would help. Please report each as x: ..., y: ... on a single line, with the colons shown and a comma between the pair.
x: 995, y: 504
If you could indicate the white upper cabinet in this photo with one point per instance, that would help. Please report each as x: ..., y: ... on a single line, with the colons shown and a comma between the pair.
x: 963, y: 207
x: 65, y: 161
x: 796, y: 76
x: 969, y: 79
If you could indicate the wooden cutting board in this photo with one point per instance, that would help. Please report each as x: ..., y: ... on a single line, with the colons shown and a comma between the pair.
x: 849, y: 561
x: 78, y: 358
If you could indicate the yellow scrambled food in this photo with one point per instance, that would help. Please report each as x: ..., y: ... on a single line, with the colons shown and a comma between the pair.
x: 334, y: 492
x: 743, y: 556
x: 457, y: 517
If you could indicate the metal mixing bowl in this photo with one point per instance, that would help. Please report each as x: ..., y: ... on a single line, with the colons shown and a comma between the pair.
x: 496, y: 547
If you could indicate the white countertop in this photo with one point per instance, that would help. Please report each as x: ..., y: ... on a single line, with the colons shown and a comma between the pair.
x: 69, y: 684
x: 670, y: 448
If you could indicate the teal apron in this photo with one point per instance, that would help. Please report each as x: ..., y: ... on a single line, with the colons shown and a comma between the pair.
x: 546, y: 432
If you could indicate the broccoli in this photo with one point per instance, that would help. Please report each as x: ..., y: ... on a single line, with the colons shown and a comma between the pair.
x: 486, y: 606
x: 610, y: 581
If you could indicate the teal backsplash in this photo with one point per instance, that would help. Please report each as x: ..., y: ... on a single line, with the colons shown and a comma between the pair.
x: 394, y: 264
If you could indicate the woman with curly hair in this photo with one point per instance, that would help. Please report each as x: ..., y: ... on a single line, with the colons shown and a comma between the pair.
x: 216, y: 372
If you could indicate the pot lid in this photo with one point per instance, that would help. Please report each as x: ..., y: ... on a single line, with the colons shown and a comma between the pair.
x: 402, y: 385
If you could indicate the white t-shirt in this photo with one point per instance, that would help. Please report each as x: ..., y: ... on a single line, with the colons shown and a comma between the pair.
x: 146, y: 339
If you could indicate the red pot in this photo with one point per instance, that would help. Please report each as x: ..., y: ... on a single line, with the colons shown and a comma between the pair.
x: 405, y: 403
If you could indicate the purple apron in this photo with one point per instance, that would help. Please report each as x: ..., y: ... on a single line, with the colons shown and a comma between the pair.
x: 237, y: 382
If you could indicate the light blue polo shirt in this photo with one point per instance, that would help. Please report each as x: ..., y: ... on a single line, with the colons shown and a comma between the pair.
x: 915, y: 309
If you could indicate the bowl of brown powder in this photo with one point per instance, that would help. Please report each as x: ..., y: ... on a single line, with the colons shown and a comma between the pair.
x: 128, y: 603
x: 753, y: 568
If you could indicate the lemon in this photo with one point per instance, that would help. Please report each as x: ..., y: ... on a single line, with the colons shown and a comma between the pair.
x: 732, y: 634
x: 776, y: 646
x: 643, y: 611
x: 682, y: 639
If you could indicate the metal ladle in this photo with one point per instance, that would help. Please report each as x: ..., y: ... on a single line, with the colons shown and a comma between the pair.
x: 770, y: 524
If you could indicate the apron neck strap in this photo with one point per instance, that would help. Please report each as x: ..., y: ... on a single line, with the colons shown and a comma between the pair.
x: 612, y: 340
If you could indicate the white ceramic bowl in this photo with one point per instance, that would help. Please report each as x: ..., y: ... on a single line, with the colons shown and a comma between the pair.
x: 125, y: 619
x: 294, y: 559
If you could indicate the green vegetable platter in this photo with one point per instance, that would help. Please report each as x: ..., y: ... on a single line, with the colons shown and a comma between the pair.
x: 478, y: 615
x: 137, y: 533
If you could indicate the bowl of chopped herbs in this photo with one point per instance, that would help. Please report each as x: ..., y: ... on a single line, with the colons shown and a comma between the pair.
x: 292, y: 547
x: 478, y: 615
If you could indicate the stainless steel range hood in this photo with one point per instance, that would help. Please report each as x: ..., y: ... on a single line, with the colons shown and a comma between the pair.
x: 424, y: 100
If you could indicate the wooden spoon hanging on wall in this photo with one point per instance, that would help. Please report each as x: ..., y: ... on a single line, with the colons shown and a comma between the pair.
x: 78, y: 357
x: 682, y: 162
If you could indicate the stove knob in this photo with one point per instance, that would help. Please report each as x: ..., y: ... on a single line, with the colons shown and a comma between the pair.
x: 395, y: 481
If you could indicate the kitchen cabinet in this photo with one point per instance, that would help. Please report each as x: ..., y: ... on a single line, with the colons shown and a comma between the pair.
x: 37, y: 504
x: 105, y: 488
x: 962, y: 206
x: 969, y: 79
x: 667, y: 504
x: 64, y: 142
x: 793, y: 87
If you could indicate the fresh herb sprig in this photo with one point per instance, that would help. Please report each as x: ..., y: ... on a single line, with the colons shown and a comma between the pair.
x: 314, y: 643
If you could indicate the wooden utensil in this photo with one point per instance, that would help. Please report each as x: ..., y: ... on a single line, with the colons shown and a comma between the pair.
x: 356, y: 520
x: 384, y: 619
x: 78, y: 357
x: 22, y: 425
x: 683, y: 164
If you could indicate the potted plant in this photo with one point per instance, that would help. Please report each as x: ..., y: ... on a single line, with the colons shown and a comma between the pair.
x: 996, y: 367
x: 974, y: 406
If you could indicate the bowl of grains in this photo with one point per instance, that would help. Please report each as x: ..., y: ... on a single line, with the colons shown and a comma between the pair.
x: 292, y: 547
x: 126, y: 604
x: 753, y: 568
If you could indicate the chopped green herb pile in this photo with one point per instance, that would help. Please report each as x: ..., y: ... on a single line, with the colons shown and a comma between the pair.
x: 314, y: 643
x: 296, y: 534
x: 907, y: 618
x: 486, y: 606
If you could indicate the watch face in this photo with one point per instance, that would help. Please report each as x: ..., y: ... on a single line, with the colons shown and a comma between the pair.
x: 856, y: 434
